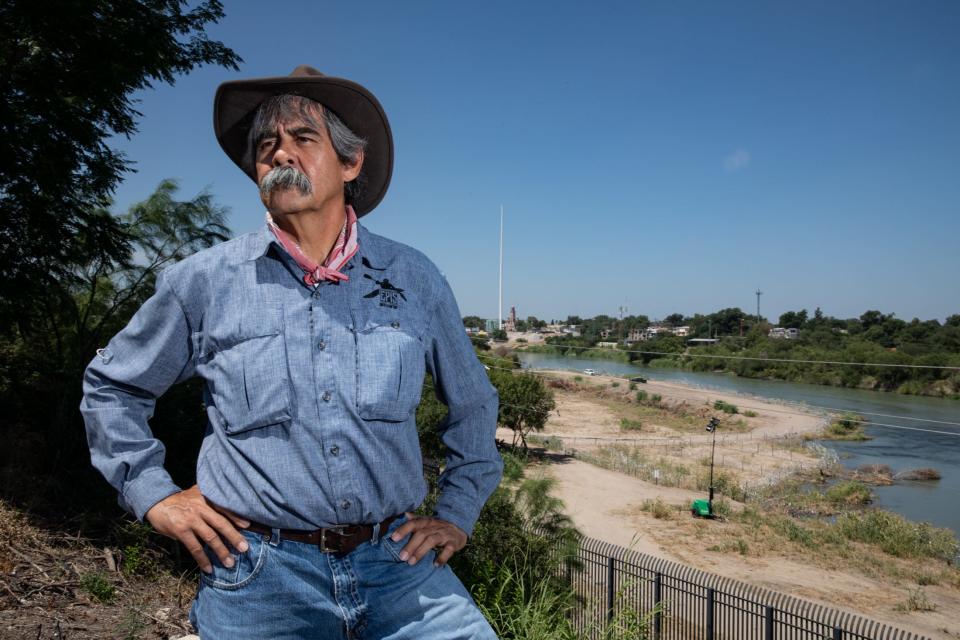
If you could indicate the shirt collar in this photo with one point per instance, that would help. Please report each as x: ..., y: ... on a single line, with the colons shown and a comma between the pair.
x: 263, y: 238
x: 260, y: 243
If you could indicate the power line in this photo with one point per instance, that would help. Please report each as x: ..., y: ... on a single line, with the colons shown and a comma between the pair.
x: 799, y: 413
x: 755, y: 358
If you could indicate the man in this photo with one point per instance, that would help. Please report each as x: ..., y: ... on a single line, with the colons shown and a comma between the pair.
x: 312, y: 336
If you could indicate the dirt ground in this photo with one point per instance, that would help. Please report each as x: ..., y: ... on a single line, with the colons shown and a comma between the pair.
x: 607, y: 505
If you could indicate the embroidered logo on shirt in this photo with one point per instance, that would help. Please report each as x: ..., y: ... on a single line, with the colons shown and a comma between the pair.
x: 389, y: 295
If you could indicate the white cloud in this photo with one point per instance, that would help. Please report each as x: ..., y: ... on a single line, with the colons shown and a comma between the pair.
x: 736, y: 161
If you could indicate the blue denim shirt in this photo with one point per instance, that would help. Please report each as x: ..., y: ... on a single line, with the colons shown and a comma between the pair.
x: 310, y: 392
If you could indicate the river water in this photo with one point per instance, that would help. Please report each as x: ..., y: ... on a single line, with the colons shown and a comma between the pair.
x: 936, y: 502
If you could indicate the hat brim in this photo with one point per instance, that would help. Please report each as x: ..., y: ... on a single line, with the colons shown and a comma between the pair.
x: 237, y: 101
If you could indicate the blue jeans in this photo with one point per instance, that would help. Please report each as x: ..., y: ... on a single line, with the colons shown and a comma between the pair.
x: 285, y: 590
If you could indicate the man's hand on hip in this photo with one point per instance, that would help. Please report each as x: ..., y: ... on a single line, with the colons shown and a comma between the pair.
x: 188, y: 517
x: 428, y: 533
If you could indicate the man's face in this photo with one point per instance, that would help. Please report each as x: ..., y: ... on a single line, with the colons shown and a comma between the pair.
x: 303, y: 147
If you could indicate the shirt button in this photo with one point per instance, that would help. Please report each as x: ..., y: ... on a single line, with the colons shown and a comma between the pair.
x: 334, y: 450
x: 395, y: 324
x: 326, y: 396
x: 345, y: 504
x: 321, y: 345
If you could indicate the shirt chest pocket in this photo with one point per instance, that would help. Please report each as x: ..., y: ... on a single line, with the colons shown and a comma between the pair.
x: 247, y: 375
x: 390, y: 370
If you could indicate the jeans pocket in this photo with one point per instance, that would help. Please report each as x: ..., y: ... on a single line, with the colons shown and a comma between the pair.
x: 246, y: 566
x: 390, y: 369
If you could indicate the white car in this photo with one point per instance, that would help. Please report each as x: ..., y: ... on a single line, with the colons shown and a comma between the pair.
x: 590, y: 372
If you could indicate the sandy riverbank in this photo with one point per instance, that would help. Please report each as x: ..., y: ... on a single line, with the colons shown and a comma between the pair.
x: 607, y: 505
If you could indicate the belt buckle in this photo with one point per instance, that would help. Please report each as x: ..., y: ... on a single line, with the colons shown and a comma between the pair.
x: 337, y: 529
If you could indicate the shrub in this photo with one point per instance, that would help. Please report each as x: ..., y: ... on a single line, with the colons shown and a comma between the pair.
x: 633, y: 386
x: 513, y: 463
x: 578, y: 378
x: 641, y: 396
x: 750, y: 414
x: 614, y: 385
x: 850, y: 492
x: 626, y: 424
x: 519, y: 544
x: 726, y: 407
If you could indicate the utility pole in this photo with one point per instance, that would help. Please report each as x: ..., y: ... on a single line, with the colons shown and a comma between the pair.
x: 759, y: 293
x: 623, y: 310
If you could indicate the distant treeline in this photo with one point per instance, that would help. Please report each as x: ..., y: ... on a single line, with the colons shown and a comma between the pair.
x: 874, y: 337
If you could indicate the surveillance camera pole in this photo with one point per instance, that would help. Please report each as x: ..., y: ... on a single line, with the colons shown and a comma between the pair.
x: 712, y: 427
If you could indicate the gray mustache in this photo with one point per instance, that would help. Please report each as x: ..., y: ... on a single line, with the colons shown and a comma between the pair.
x: 286, y: 178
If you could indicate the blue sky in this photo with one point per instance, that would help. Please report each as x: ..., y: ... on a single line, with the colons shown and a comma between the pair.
x: 669, y: 157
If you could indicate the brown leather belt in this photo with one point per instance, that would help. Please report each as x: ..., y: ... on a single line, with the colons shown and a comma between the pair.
x: 342, y: 538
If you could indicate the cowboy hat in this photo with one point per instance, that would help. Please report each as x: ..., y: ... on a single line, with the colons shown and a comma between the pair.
x: 237, y: 101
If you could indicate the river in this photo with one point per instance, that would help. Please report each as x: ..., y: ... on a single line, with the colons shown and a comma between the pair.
x: 936, y: 502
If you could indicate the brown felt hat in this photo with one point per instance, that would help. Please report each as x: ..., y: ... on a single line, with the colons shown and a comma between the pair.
x: 237, y: 101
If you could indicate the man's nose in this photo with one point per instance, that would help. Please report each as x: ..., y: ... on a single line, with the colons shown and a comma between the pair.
x: 281, y: 156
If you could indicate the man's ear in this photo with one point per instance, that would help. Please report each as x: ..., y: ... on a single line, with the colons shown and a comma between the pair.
x: 351, y: 171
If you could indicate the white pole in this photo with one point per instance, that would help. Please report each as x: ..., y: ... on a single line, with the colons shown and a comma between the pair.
x: 500, y: 316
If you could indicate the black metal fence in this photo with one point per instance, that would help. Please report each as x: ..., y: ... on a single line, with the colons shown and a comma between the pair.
x: 682, y: 603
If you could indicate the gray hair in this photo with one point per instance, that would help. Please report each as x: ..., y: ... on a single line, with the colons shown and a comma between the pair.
x: 284, y: 108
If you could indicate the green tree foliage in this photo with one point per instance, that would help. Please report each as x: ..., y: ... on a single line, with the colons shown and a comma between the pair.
x: 475, y: 322
x: 793, y: 319
x: 67, y: 75
x: 674, y: 320
x: 42, y: 359
x: 525, y: 403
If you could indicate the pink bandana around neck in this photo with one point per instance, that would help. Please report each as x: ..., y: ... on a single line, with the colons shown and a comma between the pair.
x: 343, y: 249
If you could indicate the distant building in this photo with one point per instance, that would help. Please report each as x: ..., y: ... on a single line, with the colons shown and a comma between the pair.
x: 784, y: 333
x: 572, y: 330
x: 683, y: 332
x: 511, y: 323
x: 702, y: 342
x: 608, y: 345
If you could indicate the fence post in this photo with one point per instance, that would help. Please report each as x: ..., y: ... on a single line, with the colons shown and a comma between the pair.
x: 837, y: 633
x: 768, y: 625
x: 711, y: 599
x: 611, y: 591
x: 657, y: 599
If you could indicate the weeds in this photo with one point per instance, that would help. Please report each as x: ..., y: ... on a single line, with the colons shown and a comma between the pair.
x: 627, y: 424
x: 750, y: 413
x: 899, y: 537
x: 917, y: 600
x: 95, y: 585
x: 513, y: 464
x: 658, y: 509
x: 550, y: 443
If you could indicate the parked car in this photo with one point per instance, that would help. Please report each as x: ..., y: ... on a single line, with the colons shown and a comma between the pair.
x: 590, y: 372
x: 638, y: 379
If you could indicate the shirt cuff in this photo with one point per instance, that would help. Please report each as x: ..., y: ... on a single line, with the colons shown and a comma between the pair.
x: 451, y: 508
x: 146, y: 490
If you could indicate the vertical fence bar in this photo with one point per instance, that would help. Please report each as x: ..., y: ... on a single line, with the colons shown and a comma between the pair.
x: 768, y: 624
x: 837, y: 633
x: 711, y: 599
x: 611, y: 590
x: 657, y: 597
